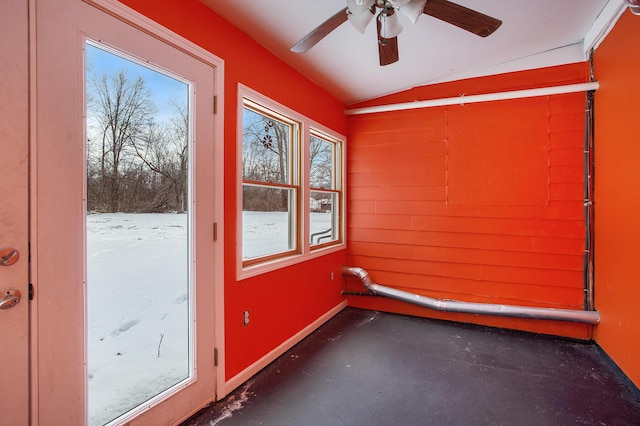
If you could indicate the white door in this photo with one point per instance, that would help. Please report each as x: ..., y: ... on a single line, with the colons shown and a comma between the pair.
x: 124, y: 211
x: 14, y: 166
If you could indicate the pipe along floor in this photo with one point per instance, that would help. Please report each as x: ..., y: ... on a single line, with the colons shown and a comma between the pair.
x: 374, y: 368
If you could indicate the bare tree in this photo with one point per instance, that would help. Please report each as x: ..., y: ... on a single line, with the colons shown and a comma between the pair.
x: 121, y: 109
x: 321, y: 173
x: 321, y: 163
x: 164, y: 150
x: 265, y: 148
x: 266, y: 156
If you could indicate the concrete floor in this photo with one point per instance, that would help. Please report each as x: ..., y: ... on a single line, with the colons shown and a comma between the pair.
x: 371, y: 368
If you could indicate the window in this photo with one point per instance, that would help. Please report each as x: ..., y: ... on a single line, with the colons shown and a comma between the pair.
x: 290, y: 174
x: 324, y: 189
x: 270, y: 185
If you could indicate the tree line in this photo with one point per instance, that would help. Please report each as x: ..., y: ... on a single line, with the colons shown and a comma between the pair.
x: 267, y: 159
x: 135, y: 163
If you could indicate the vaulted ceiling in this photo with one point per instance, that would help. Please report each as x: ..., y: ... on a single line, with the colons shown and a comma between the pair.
x: 533, y: 34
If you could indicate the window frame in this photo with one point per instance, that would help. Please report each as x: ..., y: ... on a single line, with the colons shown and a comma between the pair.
x: 300, y: 169
x: 292, y: 182
x: 336, y: 185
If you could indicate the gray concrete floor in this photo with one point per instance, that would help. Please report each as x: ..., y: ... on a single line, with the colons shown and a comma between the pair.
x: 372, y: 368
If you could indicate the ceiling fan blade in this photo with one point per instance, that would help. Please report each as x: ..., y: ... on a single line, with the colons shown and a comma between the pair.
x: 387, y: 48
x: 462, y: 17
x: 323, y: 30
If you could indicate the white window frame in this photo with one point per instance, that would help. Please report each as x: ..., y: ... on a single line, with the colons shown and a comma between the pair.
x: 305, y: 251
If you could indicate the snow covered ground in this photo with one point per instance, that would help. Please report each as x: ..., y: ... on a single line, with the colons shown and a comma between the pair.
x: 138, y: 315
x: 267, y: 232
x: 138, y: 302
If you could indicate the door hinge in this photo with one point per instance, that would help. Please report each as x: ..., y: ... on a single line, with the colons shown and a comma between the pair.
x: 215, y: 104
x: 215, y: 231
x: 31, y: 291
x: 215, y: 357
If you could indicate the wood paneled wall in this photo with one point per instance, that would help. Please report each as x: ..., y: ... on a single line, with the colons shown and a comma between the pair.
x: 480, y: 202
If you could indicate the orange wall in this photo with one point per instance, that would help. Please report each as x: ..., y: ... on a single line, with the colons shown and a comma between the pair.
x: 281, y: 303
x: 480, y: 202
x: 617, y: 195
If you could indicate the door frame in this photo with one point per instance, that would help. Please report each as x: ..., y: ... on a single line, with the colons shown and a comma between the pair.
x: 137, y: 20
x: 38, y: 371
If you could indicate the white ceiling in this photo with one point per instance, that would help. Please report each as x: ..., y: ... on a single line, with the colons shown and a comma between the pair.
x: 533, y: 34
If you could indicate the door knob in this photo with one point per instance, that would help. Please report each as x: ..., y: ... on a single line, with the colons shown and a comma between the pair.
x: 9, y: 298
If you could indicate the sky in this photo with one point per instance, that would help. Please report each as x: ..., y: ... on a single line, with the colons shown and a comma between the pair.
x: 163, y: 88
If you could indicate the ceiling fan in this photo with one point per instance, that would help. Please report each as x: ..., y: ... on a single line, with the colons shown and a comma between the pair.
x: 361, y: 12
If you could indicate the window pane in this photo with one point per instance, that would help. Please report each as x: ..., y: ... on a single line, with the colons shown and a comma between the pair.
x: 267, y: 221
x: 138, y: 275
x: 321, y: 159
x: 265, y: 148
x: 323, y: 217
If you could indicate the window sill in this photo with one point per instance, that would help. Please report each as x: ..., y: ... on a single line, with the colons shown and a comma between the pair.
x: 276, y: 264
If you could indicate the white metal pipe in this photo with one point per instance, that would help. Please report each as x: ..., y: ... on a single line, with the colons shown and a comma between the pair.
x: 461, y: 100
x: 570, y: 315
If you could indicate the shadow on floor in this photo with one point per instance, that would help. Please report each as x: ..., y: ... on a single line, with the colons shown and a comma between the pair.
x: 373, y: 368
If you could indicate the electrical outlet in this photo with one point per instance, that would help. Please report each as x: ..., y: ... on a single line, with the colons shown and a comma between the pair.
x: 331, y: 275
x: 245, y: 318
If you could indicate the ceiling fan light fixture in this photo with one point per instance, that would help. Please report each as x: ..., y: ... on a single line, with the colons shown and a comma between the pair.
x: 360, y: 20
x: 413, y: 9
x: 634, y: 6
x: 390, y: 24
x: 399, y: 3
x: 357, y: 7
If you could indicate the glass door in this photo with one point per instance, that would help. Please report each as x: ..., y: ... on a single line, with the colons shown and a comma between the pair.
x: 126, y: 175
x: 138, y: 231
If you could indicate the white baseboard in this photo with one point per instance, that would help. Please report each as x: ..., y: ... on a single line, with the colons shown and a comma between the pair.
x: 254, y: 368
